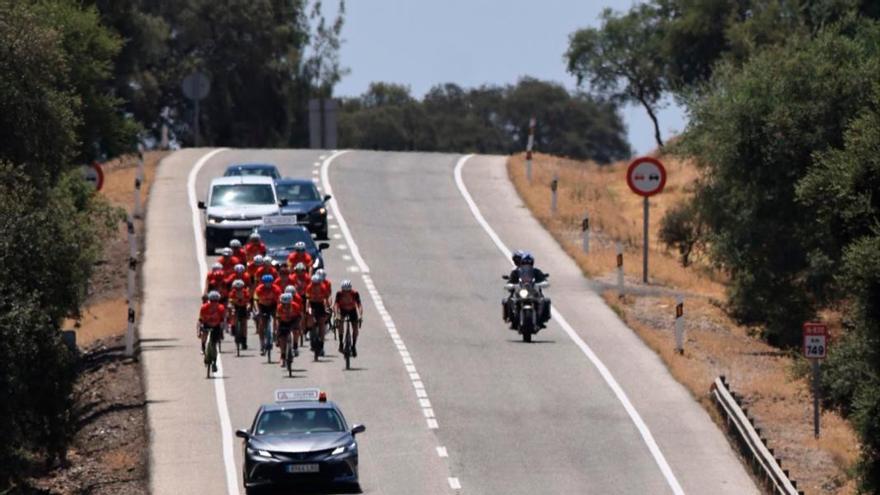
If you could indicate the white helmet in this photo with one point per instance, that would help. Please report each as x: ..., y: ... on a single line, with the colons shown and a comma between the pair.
x: 254, y: 236
x: 227, y: 252
x: 216, y: 266
x: 300, y: 246
x: 258, y: 259
x: 316, y: 279
x: 286, y: 298
x: 300, y: 267
x: 346, y: 285
x: 267, y: 260
x: 290, y: 289
x: 321, y: 274
x: 235, y: 244
x: 238, y: 284
x: 213, y: 295
x: 239, y: 268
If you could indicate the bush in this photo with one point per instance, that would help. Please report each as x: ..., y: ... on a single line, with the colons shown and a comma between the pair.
x: 682, y: 229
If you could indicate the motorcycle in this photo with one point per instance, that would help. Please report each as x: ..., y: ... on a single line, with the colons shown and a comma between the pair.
x: 526, y: 309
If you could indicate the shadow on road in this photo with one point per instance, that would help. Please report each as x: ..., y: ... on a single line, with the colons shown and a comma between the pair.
x: 519, y: 341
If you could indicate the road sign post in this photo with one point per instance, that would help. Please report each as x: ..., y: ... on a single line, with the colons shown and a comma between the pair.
x: 815, y: 349
x: 646, y: 177
x: 554, y: 185
x: 196, y: 87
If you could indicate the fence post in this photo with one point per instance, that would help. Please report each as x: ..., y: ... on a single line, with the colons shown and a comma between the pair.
x: 585, y: 228
x: 130, y: 292
x: 679, y: 324
x: 619, y: 269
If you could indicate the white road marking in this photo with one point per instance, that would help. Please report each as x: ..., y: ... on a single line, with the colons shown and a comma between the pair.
x: 219, y: 387
x: 337, y: 236
x: 579, y: 342
x: 441, y: 451
x: 322, y: 157
x: 316, y: 172
x: 353, y: 269
x: 315, y: 179
x: 432, y: 424
x: 333, y: 226
x: 317, y: 164
x: 346, y: 257
x: 454, y: 484
x: 342, y: 247
x: 325, y: 179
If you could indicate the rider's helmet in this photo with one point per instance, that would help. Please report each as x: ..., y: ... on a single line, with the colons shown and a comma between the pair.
x: 227, y: 252
x: 235, y: 244
x: 321, y: 274
x: 290, y: 289
x: 286, y: 298
x: 316, y: 279
x: 267, y: 260
x: 517, y: 257
x: 299, y: 246
x: 216, y: 267
x: 300, y: 267
x: 527, y: 259
x: 267, y: 279
x: 238, y: 284
x: 239, y: 268
x: 258, y: 259
x: 254, y: 237
x: 346, y: 285
x: 213, y: 296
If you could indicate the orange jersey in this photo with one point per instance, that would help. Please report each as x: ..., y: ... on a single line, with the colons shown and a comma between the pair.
x: 301, y: 281
x: 240, y: 254
x: 252, y: 249
x: 294, y: 257
x: 317, y: 292
x: 265, y: 270
x: 216, y: 281
x: 348, y: 300
x: 240, y: 297
x: 212, y: 314
x: 287, y: 312
x: 244, y: 278
x: 267, y: 295
x: 228, y: 263
x: 283, y: 281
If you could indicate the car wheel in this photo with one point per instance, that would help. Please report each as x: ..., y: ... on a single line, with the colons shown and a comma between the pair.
x: 252, y: 490
x: 323, y: 235
x: 209, y: 248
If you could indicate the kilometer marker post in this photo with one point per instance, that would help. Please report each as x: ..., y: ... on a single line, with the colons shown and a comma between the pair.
x: 529, y: 145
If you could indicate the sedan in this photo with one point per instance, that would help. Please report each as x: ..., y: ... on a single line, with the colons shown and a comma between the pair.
x: 280, y: 233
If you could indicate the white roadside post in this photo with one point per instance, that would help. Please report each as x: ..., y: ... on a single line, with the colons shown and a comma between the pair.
x: 138, y: 180
x: 132, y: 270
x: 646, y: 177
x: 815, y: 349
x: 679, y: 324
x: 554, y: 185
x: 585, y: 228
x: 619, y: 269
x: 529, y: 145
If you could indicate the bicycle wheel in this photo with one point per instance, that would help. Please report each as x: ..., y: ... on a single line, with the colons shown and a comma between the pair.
x: 237, y: 337
x: 316, y: 344
x: 290, y: 355
x: 346, y: 346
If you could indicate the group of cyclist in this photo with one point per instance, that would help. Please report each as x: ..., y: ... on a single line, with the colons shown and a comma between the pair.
x: 245, y: 281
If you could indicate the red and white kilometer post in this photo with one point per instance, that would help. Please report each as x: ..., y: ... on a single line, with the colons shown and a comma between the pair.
x: 815, y: 349
x: 529, y: 144
x: 646, y: 177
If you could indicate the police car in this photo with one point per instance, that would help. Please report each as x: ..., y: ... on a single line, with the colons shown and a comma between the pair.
x: 302, y: 438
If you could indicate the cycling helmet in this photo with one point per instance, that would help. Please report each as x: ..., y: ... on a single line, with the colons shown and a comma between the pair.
x: 238, y: 284
x: 300, y: 267
x: 227, y: 252
x: 286, y: 298
x: 216, y: 266
x: 346, y: 285
x: 258, y: 259
x: 239, y: 268
x: 290, y: 289
x: 235, y: 244
x: 267, y: 260
x: 528, y: 259
x: 254, y: 237
x: 267, y: 279
x: 299, y: 246
x: 213, y: 296
x: 321, y: 274
x: 316, y: 279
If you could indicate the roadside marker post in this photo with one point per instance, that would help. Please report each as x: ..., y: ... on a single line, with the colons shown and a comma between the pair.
x: 646, y: 177
x: 132, y: 271
x: 585, y: 228
x: 554, y: 185
x: 529, y: 145
x: 138, y: 181
x: 679, y: 324
x: 619, y: 270
x: 815, y: 349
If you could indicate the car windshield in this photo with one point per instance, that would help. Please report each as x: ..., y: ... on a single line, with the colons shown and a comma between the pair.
x: 297, y: 421
x: 297, y: 192
x: 261, y: 171
x: 285, y: 238
x: 242, y: 194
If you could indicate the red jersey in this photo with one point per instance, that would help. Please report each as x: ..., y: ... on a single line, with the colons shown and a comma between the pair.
x: 283, y: 281
x: 228, y: 263
x: 217, y: 281
x: 244, y: 277
x: 212, y: 314
x: 267, y: 295
x: 317, y: 292
x: 252, y: 249
x: 240, y: 297
x: 287, y: 312
x: 240, y: 254
x: 296, y: 257
x: 265, y: 270
x: 301, y: 281
x: 348, y: 300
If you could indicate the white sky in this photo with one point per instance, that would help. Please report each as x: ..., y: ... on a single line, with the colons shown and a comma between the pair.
x: 421, y: 43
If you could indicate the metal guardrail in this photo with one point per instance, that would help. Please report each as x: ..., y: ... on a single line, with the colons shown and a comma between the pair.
x: 752, y: 444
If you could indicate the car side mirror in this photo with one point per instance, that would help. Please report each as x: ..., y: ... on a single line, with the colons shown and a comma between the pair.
x: 201, y: 205
x: 323, y: 246
x: 283, y: 202
x: 505, y: 277
x: 358, y: 429
x: 242, y: 434
x: 327, y: 197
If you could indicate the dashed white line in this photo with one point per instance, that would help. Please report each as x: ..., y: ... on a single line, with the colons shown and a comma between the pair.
x: 454, y: 484
x: 346, y: 257
x: 432, y: 424
x: 333, y: 226
x: 441, y: 451
x: 337, y: 236
x: 341, y: 246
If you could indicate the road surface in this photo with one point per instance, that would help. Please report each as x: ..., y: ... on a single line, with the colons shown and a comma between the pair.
x: 452, y: 400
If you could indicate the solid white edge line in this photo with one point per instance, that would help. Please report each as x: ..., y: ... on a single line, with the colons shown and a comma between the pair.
x: 325, y: 180
x: 219, y: 387
x: 600, y: 366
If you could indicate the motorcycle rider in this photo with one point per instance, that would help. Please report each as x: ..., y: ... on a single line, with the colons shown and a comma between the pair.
x: 525, y: 272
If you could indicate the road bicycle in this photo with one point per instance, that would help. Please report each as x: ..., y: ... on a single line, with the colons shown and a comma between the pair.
x: 289, y: 353
x: 211, y: 352
x: 346, y: 340
x: 266, y: 339
x: 240, y: 332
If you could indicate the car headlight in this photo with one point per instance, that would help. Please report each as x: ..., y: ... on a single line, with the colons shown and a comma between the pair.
x: 260, y: 453
x: 213, y: 219
x: 523, y: 293
x: 343, y: 448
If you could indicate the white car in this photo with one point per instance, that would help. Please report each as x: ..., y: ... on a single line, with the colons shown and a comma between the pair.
x: 235, y: 206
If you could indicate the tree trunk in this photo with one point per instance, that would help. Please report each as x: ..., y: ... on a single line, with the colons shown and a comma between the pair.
x: 653, y: 119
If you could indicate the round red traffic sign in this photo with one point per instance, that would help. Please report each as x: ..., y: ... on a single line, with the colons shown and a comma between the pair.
x: 94, y: 174
x: 646, y: 176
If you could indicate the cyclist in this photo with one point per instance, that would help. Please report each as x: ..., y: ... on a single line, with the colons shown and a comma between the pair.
x: 254, y: 247
x: 240, y: 304
x: 228, y: 260
x: 253, y: 265
x: 216, y: 281
x: 284, y: 276
x: 238, y: 251
x: 266, y: 269
x: 239, y: 273
x: 348, y: 303
x: 319, y: 301
x: 266, y: 295
x: 211, y: 317
x: 299, y: 255
x: 300, y: 278
x: 288, y: 315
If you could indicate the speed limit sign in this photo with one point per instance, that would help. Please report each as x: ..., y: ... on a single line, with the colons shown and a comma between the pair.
x: 815, y: 340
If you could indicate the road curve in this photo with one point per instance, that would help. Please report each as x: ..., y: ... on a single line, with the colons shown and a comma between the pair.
x: 452, y: 401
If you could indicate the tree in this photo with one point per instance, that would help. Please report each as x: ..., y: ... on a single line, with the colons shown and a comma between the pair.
x: 322, y: 67
x: 682, y: 228
x: 623, y: 59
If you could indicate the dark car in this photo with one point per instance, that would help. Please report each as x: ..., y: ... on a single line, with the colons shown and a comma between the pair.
x: 280, y: 233
x: 305, y: 202
x: 261, y: 169
x: 301, y: 439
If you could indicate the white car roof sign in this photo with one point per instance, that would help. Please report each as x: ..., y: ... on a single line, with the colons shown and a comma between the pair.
x: 297, y: 395
x: 276, y: 220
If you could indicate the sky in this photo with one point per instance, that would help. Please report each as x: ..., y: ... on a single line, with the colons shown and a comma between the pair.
x: 420, y: 43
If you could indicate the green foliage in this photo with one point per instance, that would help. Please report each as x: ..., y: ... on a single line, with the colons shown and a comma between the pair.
x: 488, y: 119
x: 682, y: 229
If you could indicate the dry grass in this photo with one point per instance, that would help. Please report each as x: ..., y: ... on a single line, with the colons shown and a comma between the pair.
x: 776, y: 395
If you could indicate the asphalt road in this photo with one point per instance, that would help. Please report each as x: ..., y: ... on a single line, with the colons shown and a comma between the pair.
x: 453, y: 402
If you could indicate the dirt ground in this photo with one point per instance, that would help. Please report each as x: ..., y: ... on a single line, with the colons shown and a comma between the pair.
x: 109, y: 452
x: 772, y: 381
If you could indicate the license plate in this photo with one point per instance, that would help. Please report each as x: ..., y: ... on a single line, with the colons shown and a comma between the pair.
x: 241, y: 233
x: 303, y: 468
